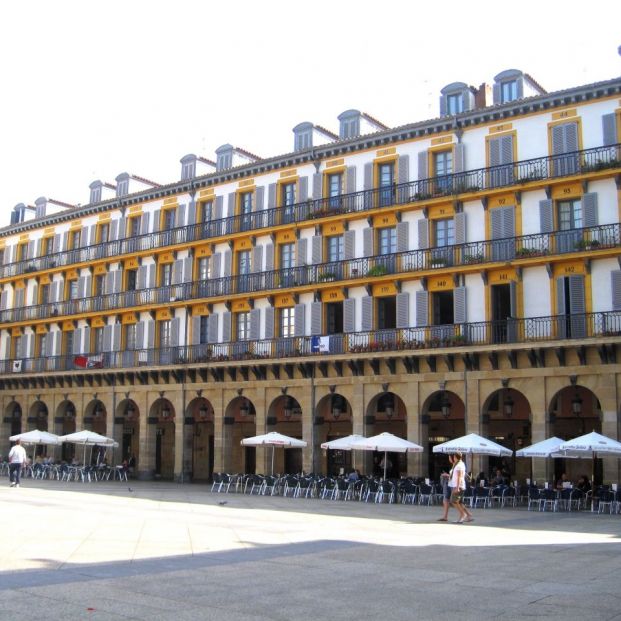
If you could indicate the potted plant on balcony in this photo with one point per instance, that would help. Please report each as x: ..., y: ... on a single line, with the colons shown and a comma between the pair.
x: 439, y: 261
x: 377, y: 270
x: 586, y: 244
x: 326, y: 276
x: 476, y: 257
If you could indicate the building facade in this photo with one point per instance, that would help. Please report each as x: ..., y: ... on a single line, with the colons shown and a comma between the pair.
x: 455, y: 275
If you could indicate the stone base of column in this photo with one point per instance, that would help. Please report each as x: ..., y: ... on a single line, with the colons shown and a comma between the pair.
x: 145, y: 475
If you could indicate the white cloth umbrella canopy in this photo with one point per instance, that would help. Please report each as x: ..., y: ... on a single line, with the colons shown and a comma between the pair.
x: 343, y: 444
x: 472, y: 444
x: 274, y: 439
x: 545, y: 448
x: 88, y: 438
x: 36, y: 437
x: 388, y: 443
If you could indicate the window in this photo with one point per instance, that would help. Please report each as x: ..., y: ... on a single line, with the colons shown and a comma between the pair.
x: 130, y: 337
x: 205, y: 211
x: 45, y: 294
x: 74, y: 239
x: 22, y: 252
x: 104, y: 233
x: 133, y: 226
x: 454, y: 104
x: 165, y: 339
x: 224, y: 160
x: 387, y: 240
x: 47, y: 246
x: 335, y: 189
x: 335, y: 250
x: 445, y: 232
x: 131, y: 280
x: 73, y: 289
x: 303, y: 140
x: 203, y: 329
x: 168, y: 219
x: 165, y: 274
x: 287, y: 322
x: 508, y: 91
x: 243, y: 326
x: 188, y: 170
x: 569, y: 215
x: 245, y: 203
x: 443, y: 166
x: 350, y: 127
x: 42, y: 345
x: 287, y: 200
x: 203, y: 268
x: 287, y: 256
x: 99, y: 285
x: 98, y: 340
x: 386, y: 177
x: 243, y: 262
x: 68, y: 338
x: 122, y: 187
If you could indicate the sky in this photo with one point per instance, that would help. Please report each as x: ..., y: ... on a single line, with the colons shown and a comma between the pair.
x: 91, y: 88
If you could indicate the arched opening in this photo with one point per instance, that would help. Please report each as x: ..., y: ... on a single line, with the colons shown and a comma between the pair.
x: 95, y: 417
x: 64, y: 423
x: 126, y: 432
x: 14, y: 415
x: 334, y: 414
x: 285, y: 416
x: 239, y: 423
x: 162, y: 414
x: 442, y: 420
x: 201, y: 442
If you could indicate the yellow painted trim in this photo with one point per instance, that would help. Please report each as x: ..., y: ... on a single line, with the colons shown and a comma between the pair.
x: 285, y: 237
x: 384, y: 289
x: 442, y: 140
x: 207, y: 193
x: 104, y: 218
x: 246, y: 183
x: 170, y: 203
x: 41, y: 329
x: 20, y: 284
x: 286, y: 181
x: 242, y: 244
x: 498, y: 129
x: 384, y: 220
x: 385, y: 152
x: 285, y: 300
x: 240, y: 306
x: 338, y: 162
x: 48, y: 231
x: 289, y: 173
x: 99, y: 270
x: 440, y: 283
x: 200, y: 310
x: 440, y: 212
x: 163, y: 314
x: 588, y: 293
x: 45, y: 279
x: 567, y: 191
x: 502, y: 276
x: 165, y: 257
x: 24, y: 238
x: 98, y: 322
x: 333, y: 295
x: 128, y: 318
x: 203, y: 251
x: 552, y: 124
x: 333, y: 228
x: 68, y: 325
x: 135, y: 210
x: 16, y: 331
x: 132, y: 263
x: 569, y: 268
x: 564, y: 114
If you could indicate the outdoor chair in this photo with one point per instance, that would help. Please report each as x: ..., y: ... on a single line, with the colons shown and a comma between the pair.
x: 509, y: 496
x: 606, y: 501
x: 577, y: 500
x: 408, y: 491
x: 327, y: 486
x: 534, y: 496
x: 217, y: 482
x: 425, y: 494
x: 304, y: 488
x: 341, y: 490
x: 372, y: 490
x: 359, y: 489
x: 468, y: 498
x: 289, y: 485
x: 548, y: 498
x: 481, y: 497
x: 386, y: 491
x: 269, y: 487
x: 496, y: 497
x: 253, y: 484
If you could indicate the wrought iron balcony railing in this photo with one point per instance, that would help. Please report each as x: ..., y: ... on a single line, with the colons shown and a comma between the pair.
x: 448, y: 257
x: 518, y: 173
x: 535, y: 330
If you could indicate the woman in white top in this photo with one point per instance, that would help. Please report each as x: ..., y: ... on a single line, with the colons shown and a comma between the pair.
x: 458, y: 486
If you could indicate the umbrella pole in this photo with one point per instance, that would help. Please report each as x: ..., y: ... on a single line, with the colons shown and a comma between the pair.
x: 273, y: 447
x: 385, y: 463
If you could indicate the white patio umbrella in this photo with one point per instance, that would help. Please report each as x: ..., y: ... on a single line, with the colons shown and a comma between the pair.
x: 545, y: 448
x: 343, y: 444
x: 36, y: 437
x: 88, y: 438
x: 591, y: 445
x: 388, y: 443
x: 274, y: 439
x: 472, y: 444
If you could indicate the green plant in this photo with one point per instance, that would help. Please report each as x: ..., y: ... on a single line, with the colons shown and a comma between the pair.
x: 326, y: 276
x: 522, y: 253
x: 586, y: 244
x: 473, y: 258
x: 377, y: 270
x: 439, y: 261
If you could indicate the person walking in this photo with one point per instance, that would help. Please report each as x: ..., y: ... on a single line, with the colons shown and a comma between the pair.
x: 458, y: 486
x: 17, y: 458
x: 445, y: 479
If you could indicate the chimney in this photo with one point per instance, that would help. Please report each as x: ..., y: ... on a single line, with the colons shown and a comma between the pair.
x: 483, y: 96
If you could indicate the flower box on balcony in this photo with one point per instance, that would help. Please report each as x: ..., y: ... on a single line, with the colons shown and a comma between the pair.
x: 523, y: 253
x: 587, y: 244
x: 326, y: 277
x: 377, y: 270
x: 473, y: 258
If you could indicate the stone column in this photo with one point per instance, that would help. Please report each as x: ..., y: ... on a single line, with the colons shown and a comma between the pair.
x: 259, y: 400
x: 146, y: 437
x: 176, y: 400
x: 472, y: 417
x: 409, y: 394
x: 537, y: 395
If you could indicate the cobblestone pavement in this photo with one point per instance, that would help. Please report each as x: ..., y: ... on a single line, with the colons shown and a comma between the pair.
x: 164, y: 551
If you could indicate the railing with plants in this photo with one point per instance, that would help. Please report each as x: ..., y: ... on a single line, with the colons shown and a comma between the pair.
x: 519, y: 330
x: 517, y: 173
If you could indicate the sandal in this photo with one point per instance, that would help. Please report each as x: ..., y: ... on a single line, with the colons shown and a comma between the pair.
x: 442, y: 520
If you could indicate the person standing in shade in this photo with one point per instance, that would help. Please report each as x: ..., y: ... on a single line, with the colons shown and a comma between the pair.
x: 17, y: 459
x: 458, y: 486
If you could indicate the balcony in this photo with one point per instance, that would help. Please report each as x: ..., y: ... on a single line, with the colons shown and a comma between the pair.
x: 587, y: 161
x: 467, y: 337
x: 469, y: 257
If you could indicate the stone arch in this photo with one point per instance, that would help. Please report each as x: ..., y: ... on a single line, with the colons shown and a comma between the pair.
x: 14, y: 417
x: 161, y: 425
x: 95, y: 417
x: 64, y: 424
x: 239, y: 423
x: 200, y: 437
x: 333, y: 419
x: 284, y: 415
x: 38, y: 416
x: 127, y: 432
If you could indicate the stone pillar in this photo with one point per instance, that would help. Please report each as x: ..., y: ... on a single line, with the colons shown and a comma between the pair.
x: 176, y: 400
x: 260, y: 401
x: 540, y: 429
x: 146, y: 438
x: 472, y: 418
x: 409, y: 394
x: 217, y: 401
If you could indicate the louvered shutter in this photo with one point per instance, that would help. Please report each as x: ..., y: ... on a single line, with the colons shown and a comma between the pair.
x: 144, y: 223
x: 216, y: 270
x: 422, y: 308
x: 459, y: 305
x: 494, y: 151
x: 107, y: 338
x: 228, y: 257
x: 301, y: 252
x: 459, y: 158
x: 589, y: 209
x: 546, y: 216
x: 317, y: 249
x: 187, y: 269
x: 302, y: 190
x: 496, y: 94
x: 578, y: 306
x: 4, y: 298
x: 191, y: 213
x: 84, y: 237
x: 317, y: 186
x: 350, y: 180
x: 460, y: 227
x: 423, y: 233
x: 212, y: 329
x: 368, y: 185
x: 81, y: 287
x: 150, y: 330
x: 219, y: 208
x: 368, y: 236
x: 121, y: 230
x: 269, y: 257
x: 558, y: 140
x: 31, y: 252
x: 57, y: 243
x: 88, y: 286
x: 403, y: 236
x: 615, y: 279
x: 443, y: 110
x: 49, y: 344
x: 257, y: 259
x: 140, y: 335
x: 506, y: 150
x: 174, y: 332
x: 609, y: 129
x: 177, y: 271
x: 157, y: 220
x: 367, y: 313
x: 404, y: 169
x: 255, y: 325
x: 109, y: 283
x: 231, y: 204
x: 571, y: 137
x: 151, y: 276
x: 227, y: 318
x: 77, y: 341
x: 403, y: 310
x: 35, y: 294
x: 349, y: 315
x: 316, y: 317
x: 86, y: 347
x: 271, y: 196
x: 58, y: 335
x: 141, y: 278
x: 349, y: 244
x: 196, y: 330
x: 560, y: 296
x: 299, y: 327
x: 423, y: 165
x: 180, y: 216
x: 114, y: 229
x: 269, y: 322
x: 259, y: 198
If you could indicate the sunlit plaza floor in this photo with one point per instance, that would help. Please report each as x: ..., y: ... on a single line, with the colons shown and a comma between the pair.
x: 166, y: 551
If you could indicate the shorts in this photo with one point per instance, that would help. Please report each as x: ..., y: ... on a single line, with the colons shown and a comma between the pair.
x: 446, y: 492
x: 457, y: 496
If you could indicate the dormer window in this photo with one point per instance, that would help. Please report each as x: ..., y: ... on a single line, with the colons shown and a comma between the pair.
x: 224, y: 157
x: 122, y: 185
x: 188, y: 167
x: 508, y: 91
x: 95, y: 192
x: 455, y: 98
x: 303, y: 136
x: 454, y: 104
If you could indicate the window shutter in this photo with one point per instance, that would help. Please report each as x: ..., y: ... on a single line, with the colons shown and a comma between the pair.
x: 299, y: 327
x: 368, y: 235
x: 368, y: 185
x: 109, y: 283
x: 423, y: 233
x: 56, y: 246
x: 589, y: 209
x: 114, y: 230
x: 141, y: 278
x: 422, y: 308
x: 81, y: 287
x: 150, y: 330
x: 121, y: 230
x: 513, y: 299
x: 84, y: 237
x: 271, y: 196
x: 301, y: 252
x: 31, y: 252
x: 49, y: 344
x: 259, y: 197
x: 571, y: 137
x: 349, y: 315
x: 269, y: 322
x: 460, y: 227
x: 317, y: 186
x: 302, y: 190
x: 219, y: 208
x: 404, y: 168
x: 151, y: 276
x: 459, y: 305
x: 177, y: 271
x: 508, y: 228
x: 157, y: 218
x: 560, y: 296
x: 316, y: 316
x: 107, y: 338
x: 58, y: 335
x: 187, y: 269
x: 174, y: 332
x: 423, y: 165
x: 576, y: 294
x: 615, y: 278
x: 231, y: 204
x: 496, y: 94
x: 546, y: 216
x: 35, y: 295
x: 443, y: 111
x: 4, y: 300
x: 558, y: 139
x: 216, y: 260
x: 191, y: 213
x: 180, y: 216
x: 506, y: 150
x: 403, y: 310
x: 140, y: 335
x: 77, y: 341
x: 367, y: 313
x: 212, y: 329
x: 494, y: 151
x: 88, y: 286
x: 227, y: 262
x: 86, y: 347
x: 227, y: 319
x: 609, y: 128
x: 317, y: 249
x: 520, y: 88
x: 350, y: 180
x: 196, y: 330
x: 403, y: 236
x: 269, y: 257
x: 349, y: 244
x: 459, y: 158
x: 255, y: 325
x: 144, y: 223
x: 257, y: 259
